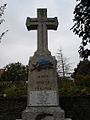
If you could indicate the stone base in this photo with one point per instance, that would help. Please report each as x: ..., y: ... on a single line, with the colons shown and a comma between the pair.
x: 68, y: 119
x: 65, y: 119
x: 43, y: 113
x: 18, y: 119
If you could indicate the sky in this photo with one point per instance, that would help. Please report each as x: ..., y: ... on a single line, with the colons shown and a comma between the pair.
x: 19, y: 43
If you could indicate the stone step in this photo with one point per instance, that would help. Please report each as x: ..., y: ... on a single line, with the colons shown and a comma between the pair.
x: 68, y: 119
x: 18, y: 119
x: 65, y: 119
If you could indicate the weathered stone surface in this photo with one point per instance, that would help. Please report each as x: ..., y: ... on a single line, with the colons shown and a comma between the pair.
x: 43, y: 113
x: 68, y: 119
x: 42, y: 24
x: 42, y: 77
x: 43, y: 98
x: 42, y: 66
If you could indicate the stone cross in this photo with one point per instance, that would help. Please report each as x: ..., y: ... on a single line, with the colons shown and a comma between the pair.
x: 42, y: 24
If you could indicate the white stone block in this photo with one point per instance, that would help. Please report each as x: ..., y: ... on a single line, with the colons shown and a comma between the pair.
x: 43, y: 98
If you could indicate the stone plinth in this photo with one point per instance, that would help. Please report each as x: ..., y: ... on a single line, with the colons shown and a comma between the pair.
x: 43, y: 113
x: 43, y: 98
x: 42, y: 81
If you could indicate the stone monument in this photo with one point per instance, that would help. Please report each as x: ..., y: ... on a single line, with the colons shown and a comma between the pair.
x: 43, y: 98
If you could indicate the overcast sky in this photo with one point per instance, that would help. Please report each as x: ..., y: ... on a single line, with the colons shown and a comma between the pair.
x: 19, y: 44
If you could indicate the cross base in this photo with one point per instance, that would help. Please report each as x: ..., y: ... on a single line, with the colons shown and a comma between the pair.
x: 37, y: 52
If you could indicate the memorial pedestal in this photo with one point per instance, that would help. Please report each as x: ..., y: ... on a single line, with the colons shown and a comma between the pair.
x: 43, y: 113
x: 43, y: 98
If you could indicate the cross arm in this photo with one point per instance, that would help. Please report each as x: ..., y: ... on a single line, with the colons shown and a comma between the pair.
x: 52, y: 23
x: 31, y: 23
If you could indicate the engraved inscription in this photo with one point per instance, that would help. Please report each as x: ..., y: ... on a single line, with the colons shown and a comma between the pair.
x: 43, y: 83
x: 43, y: 98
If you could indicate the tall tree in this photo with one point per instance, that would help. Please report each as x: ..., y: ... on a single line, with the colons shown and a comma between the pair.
x: 2, y: 9
x: 15, y: 72
x: 82, y: 26
x: 83, y: 68
x: 63, y: 65
x: 81, y: 75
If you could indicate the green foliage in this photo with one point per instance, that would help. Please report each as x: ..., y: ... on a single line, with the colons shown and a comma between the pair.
x: 83, y: 81
x: 68, y: 88
x: 13, y: 80
x: 15, y: 72
x: 71, y: 91
x: 80, y: 86
x: 1, y: 89
x: 2, y: 9
x: 82, y: 25
x: 22, y: 90
x: 3, y: 86
x: 83, y: 68
x: 10, y: 89
x: 82, y: 77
